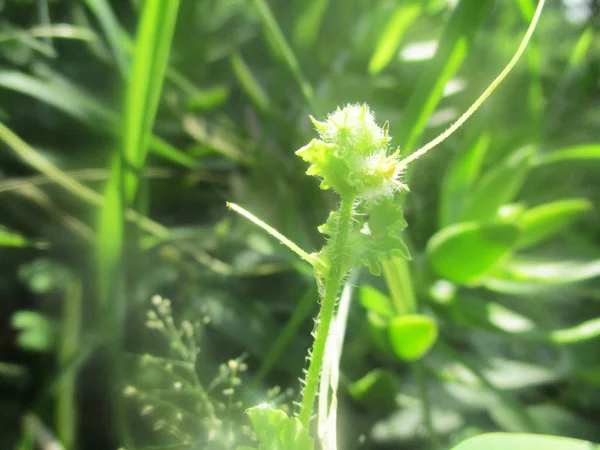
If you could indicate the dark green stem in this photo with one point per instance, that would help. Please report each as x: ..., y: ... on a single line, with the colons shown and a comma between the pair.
x: 333, y: 283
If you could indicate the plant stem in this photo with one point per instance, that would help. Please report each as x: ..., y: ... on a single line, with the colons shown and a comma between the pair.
x: 332, y: 288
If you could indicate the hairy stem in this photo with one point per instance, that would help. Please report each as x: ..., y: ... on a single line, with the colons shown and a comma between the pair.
x: 333, y: 283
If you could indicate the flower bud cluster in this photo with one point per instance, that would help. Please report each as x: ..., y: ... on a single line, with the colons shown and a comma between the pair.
x: 351, y: 155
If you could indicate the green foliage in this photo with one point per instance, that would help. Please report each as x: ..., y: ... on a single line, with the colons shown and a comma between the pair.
x: 276, y: 431
x: 501, y: 334
x: 497, y: 441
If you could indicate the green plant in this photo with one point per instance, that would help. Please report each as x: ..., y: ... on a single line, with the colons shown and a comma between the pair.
x: 352, y: 158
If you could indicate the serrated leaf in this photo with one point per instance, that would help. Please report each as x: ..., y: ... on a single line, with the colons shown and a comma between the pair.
x: 384, y: 237
x: 276, y: 431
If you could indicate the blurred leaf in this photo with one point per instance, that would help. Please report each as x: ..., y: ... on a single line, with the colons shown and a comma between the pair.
x: 375, y: 301
x: 112, y: 30
x: 391, y: 37
x: 35, y: 331
x: 580, y: 152
x: 309, y: 22
x: 412, y: 335
x: 277, y: 39
x: 498, y: 186
x: 545, y: 220
x: 579, y: 333
x: 464, y: 252
x: 379, y: 331
x: 479, y: 312
x: 551, y: 272
x: 518, y: 441
x: 207, y: 99
x: 11, y: 239
x: 249, y: 83
x: 454, y: 45
x: 376, y: 389
x: 276, y: 431
x: 70, y: 99
x: 459, y: 178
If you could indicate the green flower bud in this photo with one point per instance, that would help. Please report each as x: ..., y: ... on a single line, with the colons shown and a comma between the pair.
x: 351, y: 156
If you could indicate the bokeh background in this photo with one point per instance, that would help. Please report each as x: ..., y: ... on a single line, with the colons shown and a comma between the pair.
x: 107, y: 211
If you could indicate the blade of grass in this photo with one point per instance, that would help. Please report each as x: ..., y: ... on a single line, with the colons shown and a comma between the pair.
x: 453, y: 49
x: 401, y: 20
x: 112, y: 30
x: 143, y: 92
x: 66, y: 404
x: 275, y: 35
x: 309, y: 23
x: 41, y: 164
x: 249, y: 83
x: 67, y: 97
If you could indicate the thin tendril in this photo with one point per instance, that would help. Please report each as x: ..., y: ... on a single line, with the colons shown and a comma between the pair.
x: 462, y: 119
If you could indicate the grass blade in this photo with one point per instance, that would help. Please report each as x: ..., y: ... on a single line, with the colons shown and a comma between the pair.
x: 453, y: 49
x: 276, y: 37
x: 401, y: 20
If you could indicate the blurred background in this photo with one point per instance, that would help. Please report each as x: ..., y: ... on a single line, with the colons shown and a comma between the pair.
x: 137, y: 311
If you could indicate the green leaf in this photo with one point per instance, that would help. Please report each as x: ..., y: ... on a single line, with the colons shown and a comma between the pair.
x: 309, y: 22
x: 392, y: 35
x: 464, y: 252
x: 543, y: 221
x: 276, y: 431
x: 384, y: 237
x: 522, y: 441
x: 453, y: 48
x: 11, y: 239
x: 498, y: 186
x: 580, y: 152
x: 459, y: 178
x: 376, y: 389
x: 585, y: 331
x: 250, y: 84
x: 376, y: 301
x: 379, y: 331
x: 412, y: 335
x: 551, y: 272
x: 35, y: 331
x: 207, y: 99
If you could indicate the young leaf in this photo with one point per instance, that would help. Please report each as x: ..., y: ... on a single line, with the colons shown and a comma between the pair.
x: 466, y: 251
x: 384, y: 235
x: 543, y: 221
x: 377, y: 389
x: 412, y: 335
x: 276, y: 431
x: 376, y: 301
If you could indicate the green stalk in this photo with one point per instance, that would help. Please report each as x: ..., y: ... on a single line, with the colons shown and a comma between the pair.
x: 332, y: 288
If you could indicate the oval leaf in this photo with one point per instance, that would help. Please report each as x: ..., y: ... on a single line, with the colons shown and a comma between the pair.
x: 411, y: 336
x: 521, y: 441
x: 545, y: 220
x: 376, y: 301
x: 376, y: 389
x: 464, y: 252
